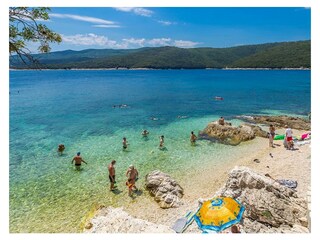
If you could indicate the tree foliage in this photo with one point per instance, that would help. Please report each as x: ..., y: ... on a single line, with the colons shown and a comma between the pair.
x: 24, y: 27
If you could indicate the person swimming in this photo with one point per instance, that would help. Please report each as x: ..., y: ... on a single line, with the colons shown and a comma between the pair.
x: 153, y: 118
x: 145, y: 133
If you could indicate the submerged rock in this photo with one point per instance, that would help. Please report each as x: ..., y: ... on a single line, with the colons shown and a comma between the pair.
x: 231, y: 135
x: 269, y: 206
x: 166, y: 191
x: 115, y: 220
x: 281, y: 121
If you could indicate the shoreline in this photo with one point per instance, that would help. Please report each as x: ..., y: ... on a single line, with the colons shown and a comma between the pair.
x: 285, y: 164
x: 149, y: 69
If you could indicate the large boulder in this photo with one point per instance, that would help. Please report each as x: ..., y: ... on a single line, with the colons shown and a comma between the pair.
x: 269, y: 206
x: 166, y: 191
x: 231, y: 135
x: 115, y: 220
x: 281, y: 121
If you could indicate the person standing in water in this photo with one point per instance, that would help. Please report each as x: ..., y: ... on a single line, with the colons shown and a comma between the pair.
x: 61, y: 148
x: 78, y: 159
x: 193, y: 138
x: 124, y: 143
x: 112, y: 174
x: 145, y: 133
x: 161, y: 145
x: 132, y: 175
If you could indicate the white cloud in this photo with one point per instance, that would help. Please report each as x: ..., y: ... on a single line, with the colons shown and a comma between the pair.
x: 136, y: 10
x: 105, y: 26
x: 94, y: 40
x: 82, y: 18
x: 160, y: 42
x: 91, y: 39
x: 133, y: 41
x: 166, y: 23
x: 185, y: 44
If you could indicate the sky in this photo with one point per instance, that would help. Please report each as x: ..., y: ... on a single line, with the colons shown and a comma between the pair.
x: 125, y: 28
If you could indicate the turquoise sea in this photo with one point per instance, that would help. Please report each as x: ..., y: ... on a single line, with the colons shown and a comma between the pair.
x: 75, y: 107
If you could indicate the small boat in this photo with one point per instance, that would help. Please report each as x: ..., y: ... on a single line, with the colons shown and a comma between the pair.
x: 218, y: 98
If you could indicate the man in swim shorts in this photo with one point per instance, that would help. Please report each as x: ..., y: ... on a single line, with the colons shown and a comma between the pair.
x: 132, y: 175
x: 193, y: 138
x: 78, y: 159
x: 112, y: 174
x: 289, y: 137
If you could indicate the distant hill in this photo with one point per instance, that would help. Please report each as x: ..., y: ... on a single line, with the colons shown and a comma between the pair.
x: 269, y: 55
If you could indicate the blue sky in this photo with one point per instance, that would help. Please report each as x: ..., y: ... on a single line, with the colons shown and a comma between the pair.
x: 83, y: 28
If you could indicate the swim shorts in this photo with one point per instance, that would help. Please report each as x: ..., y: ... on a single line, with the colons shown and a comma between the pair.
x: 289, y: 139
x: 114, y: 178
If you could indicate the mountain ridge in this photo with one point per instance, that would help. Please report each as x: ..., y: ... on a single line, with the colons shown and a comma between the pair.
x: 268, y: 55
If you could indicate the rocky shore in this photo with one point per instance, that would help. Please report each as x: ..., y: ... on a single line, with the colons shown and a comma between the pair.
x: 228, y: 134
x: 280, y: 121
x: 252, y: 179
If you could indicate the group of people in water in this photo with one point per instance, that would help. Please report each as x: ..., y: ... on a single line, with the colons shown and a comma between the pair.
x: 132, y: 173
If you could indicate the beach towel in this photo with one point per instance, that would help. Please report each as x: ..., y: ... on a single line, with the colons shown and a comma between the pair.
x: 288, y: 183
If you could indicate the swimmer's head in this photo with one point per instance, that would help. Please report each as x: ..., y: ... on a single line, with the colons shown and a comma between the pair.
x: 78, y: 153
x: 113, y: 162
x: 192, y: 132
x: 131, y: 167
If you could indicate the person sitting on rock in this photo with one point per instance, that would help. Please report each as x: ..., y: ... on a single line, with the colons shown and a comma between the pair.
x: 61, y: 148
x: 221, y: 121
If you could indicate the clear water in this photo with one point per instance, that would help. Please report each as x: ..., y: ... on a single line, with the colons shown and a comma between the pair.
x: 75, y: 108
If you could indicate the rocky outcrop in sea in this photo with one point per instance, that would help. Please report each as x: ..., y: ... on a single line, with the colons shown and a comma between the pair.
x: 228, y: 134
